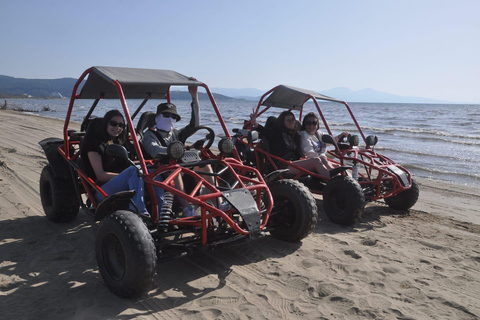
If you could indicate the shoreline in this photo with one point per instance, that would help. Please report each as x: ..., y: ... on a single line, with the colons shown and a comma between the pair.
x: 435, y: 190
x: 424, y: 179
x: 424, y: 263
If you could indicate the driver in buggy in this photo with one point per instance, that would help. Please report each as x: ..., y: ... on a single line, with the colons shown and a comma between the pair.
x: 156, y: 140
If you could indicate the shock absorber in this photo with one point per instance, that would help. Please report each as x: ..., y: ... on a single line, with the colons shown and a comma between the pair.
x: 166, y: 213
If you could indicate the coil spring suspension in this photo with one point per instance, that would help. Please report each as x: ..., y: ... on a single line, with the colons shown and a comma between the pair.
x: 262, y: 204
x: 166, y: 213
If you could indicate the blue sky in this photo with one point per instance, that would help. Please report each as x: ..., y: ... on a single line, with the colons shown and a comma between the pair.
x: 417, y: 48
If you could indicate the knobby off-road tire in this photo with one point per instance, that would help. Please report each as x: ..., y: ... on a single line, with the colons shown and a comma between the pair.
x: 59, y: 198
x: 294, y: 213
x: 343, y: 200
x: 405, y: 199
x: 126, y: 254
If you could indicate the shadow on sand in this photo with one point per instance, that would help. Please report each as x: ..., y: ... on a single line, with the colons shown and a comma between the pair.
x: 50, y: 269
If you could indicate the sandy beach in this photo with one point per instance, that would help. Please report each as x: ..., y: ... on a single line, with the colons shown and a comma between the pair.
x: 420, y: 264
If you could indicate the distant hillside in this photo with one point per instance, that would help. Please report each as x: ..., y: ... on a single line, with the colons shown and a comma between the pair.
x: 10, y: 86
x: 245, y: 93
x: 370, y: 95
x: 345, y: 94
x: 185, y: 95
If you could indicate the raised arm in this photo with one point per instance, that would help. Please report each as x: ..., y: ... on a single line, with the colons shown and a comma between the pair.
x: 195, y: 114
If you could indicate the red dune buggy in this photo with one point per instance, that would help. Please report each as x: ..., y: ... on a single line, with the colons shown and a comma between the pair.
x: 128, y: 244
x: 361, y: 173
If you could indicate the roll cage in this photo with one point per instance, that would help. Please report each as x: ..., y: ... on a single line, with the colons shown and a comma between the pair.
x: 379, y: 177
x: 130, y: 83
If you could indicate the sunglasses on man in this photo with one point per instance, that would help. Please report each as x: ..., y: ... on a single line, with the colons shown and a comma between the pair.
x: 170, y: 115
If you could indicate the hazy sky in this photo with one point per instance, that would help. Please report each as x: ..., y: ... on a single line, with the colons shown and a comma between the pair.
x: 417, y: 48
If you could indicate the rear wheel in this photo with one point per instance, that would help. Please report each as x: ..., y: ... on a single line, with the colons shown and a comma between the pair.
x: 405, y: 199
x: 294, y: 213
x: 343, y: 200
x: 59, y: 198
x: 126, y: 254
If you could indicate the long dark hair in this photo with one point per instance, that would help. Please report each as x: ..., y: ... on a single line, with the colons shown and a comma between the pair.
x: 293, y: 133
x: 310, y: 115
x: 281, y: 121
x: 122, y: 138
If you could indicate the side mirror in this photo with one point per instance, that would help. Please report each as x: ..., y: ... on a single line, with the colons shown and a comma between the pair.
x: 116, y: 151
x: 371, y: 141
x: 328, y: 139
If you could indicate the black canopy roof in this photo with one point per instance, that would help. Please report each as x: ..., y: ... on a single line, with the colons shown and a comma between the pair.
x: 292, y: 98
x: 136, y: 83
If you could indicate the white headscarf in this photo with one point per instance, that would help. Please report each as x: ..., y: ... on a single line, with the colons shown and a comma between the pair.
x: 165, y: 124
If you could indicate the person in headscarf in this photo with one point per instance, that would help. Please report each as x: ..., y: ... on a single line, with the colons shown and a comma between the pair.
x: 157, y: 139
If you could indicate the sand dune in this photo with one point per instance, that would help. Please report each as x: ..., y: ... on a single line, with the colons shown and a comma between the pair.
x: 421, y: 264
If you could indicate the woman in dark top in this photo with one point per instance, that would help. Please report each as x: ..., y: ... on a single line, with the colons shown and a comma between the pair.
x: 113, y: 175
x: 284, y: 142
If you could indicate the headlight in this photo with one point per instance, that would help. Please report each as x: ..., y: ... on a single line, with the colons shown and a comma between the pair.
x: 176, y: 150
x: 226, y: 145
x: 371, y: 141
x: 354, y: 140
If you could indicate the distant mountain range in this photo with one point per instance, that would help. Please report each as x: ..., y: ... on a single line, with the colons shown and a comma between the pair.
x: 11, y: 87
x: 341, y: 93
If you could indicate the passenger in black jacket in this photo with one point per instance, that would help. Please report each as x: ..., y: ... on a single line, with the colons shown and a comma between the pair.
x: 284, y: 142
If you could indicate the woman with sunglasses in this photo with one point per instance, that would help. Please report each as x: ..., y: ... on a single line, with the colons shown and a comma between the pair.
x: 311, y: 140
x: 112, y: 174
x: 285, y: 142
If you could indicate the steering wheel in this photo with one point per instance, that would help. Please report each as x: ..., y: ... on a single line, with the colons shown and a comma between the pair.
x: 348, y: 141
x: 209, y: 137
x: 343, y: 143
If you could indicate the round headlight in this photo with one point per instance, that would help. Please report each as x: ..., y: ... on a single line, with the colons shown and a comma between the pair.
x: 176, y: 150
x: 354, y: 140
x: 226, y: 145
x: 371, y: 141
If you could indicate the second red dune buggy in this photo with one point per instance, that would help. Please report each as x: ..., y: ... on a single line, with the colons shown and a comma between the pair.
x: 129, y: 243
x: 362, y: 174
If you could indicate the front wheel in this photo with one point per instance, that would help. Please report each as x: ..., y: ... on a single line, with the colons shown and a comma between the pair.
x: 343, y: 200
x: 126, y: 254
x: 294, y: 213
x: 405, y: 199
x: 58, y: 195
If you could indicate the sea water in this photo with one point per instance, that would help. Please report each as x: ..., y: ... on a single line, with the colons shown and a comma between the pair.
x: 434, y: 141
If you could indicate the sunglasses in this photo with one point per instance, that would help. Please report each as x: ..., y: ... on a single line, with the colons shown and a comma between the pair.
x: 170, y: 115
x: 311, y: 123
x: 116, y: 124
